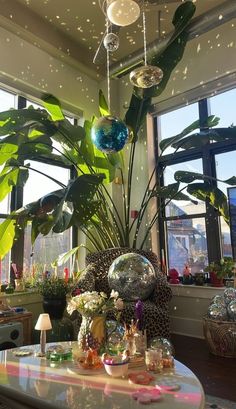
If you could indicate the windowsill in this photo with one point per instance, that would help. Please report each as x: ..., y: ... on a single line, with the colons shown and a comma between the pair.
x: 21, y: 298
x: 195, y: 290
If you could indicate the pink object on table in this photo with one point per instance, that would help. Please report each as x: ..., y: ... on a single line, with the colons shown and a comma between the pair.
x: 141, y: 378
x: 174, y: 276
x: 145, y: 395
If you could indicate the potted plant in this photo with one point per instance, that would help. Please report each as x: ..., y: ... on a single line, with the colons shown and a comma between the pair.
x: 86, y: 201
x: 220, y: 270
x: 54, y: 291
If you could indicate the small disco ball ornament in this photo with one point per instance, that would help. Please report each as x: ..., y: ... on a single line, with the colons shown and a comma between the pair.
x: 164, y: 344
x: 232, y: 310
x: 219, y: 300
x: 111, y: 42
x: 133, y: 276
x: 146, y: 76
x: 109, y: 134
x: 217, y: 312
x: 229, y: 295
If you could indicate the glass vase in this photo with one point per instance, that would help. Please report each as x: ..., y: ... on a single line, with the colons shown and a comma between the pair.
x: 92, y: 332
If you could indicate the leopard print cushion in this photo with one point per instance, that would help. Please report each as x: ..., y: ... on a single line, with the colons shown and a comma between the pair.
x: 155, y: 315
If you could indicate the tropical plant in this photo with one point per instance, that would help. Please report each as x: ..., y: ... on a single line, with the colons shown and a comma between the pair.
x: 86, y: 202
x: 223, y: 268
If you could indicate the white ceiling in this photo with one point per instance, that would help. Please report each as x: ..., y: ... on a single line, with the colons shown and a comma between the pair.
x: 80, y: 24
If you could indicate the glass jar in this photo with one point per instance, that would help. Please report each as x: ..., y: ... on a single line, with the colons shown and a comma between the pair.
x: 153, y: 360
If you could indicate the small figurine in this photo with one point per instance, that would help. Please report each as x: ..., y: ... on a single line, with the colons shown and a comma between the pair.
x: 174, y: 276
x: 187, y: 276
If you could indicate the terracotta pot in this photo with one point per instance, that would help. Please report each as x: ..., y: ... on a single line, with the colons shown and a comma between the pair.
x: 216, y: 281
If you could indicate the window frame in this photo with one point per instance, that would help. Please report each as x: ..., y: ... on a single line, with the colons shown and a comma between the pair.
x: 207, y: 154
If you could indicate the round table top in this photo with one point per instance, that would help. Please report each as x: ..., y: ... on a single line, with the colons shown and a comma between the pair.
x: 31, y: 381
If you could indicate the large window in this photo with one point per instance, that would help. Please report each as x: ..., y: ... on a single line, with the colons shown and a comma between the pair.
x: 46, y: 248
x: 187, y: 230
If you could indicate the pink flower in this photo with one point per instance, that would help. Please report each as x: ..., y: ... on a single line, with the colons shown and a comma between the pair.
x: 119, y: 304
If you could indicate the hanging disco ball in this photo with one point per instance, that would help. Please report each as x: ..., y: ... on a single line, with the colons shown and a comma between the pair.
x: 219, y: 300
x: 232, y: 310
x: 111, y: 42
x: 229, y: 295
x: 109, y: 134
x: 217, y: 312
x: 164, y: 344
x: 133, y: 276
x: 146, y: 76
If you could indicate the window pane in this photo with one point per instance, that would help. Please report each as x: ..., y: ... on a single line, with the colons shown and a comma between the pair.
x: 180, y: 207
x: 46, y: 248
x: 7, y: 100
x: 222, y: 105
x: 187, y: 244
x: 38, y: 185
x: 225, y: 168
x: 174, y: 122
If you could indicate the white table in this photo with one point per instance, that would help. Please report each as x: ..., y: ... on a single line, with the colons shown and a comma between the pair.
x: 30, y: 382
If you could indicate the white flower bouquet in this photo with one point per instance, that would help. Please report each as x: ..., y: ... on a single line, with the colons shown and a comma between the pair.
x: 91, y: 303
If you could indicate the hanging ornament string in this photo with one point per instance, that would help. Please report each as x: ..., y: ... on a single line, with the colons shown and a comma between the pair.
x: 108, y: 72
x: 144, y: 39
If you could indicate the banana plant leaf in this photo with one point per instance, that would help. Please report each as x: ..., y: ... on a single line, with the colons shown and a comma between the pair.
x: 216, y: 197
x: 166, y: 143
x: 167, y: 60
x: 171, y: 192
x: 202, y: 138
x: 188, y: 177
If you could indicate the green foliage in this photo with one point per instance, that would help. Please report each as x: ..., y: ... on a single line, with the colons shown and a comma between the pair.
x: 54, y: 287
x: 223, y: 268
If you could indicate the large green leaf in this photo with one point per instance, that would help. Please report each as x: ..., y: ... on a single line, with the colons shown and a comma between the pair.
x: 53, y: 106
x: 64, y: 257
x: 7, y: 234
x: 165, y: 143
x: 84, y: 187
x: 103, y: 107
x: 68, y: 133
x: 83, y: 213
x: 216, y: 197
x: 63, y: 215
x: 7, y: 150
x: 16, y: 120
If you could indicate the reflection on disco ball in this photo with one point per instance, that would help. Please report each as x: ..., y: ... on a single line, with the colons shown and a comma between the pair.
x: 164, y: 344
x: 146, y: 76
x: 133, y: 276
x: 112, y: 326
x: 217, y: 312
x: 232, y: 310
x: 111, y: 42
x: 109, y: 134
x: 229, y: 295
x: 219, y: 300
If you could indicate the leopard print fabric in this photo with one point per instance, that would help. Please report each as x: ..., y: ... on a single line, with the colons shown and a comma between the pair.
x: 155, y: 316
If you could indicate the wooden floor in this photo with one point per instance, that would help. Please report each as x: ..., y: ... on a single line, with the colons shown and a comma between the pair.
x: 217, y: 375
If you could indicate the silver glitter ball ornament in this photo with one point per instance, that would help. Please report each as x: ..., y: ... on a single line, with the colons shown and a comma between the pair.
x: 133, y: 276
x: 146, y: 76
x: 217, y: 312
x: 229, y: 295
x: 111, y: 42
x: 232, y: 310
x: 219, y: 300
x: 164, y: 344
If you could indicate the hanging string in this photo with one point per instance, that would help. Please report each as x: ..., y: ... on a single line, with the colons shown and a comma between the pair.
x: 108, y: 73
x: 144, y: 39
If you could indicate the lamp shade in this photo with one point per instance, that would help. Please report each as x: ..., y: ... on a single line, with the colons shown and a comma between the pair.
x: 123, y: 12
x: 43, y: 322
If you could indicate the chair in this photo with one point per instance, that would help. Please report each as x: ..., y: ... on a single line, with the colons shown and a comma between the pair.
x: 155, y: 316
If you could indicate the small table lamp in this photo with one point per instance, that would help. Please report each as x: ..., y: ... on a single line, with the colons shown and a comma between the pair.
x: 43, y: 324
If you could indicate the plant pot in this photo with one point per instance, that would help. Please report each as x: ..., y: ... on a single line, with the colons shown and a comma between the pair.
x: 55, y: 307
x: 216, y: 281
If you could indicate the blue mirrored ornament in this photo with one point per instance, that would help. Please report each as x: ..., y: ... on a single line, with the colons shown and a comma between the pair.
x: 109, y: 134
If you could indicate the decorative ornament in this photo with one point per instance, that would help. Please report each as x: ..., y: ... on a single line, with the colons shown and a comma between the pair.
x: 146, y: 76
x: 229, y: 295
x: 141, y: 378
x: 164, y: 344
x: 232, y: 310
x: 217, y: 312
x: 111, y: 42
x: 133, y: 276
x: 219, y: 300
x: 109, y: 134
x: 123, y: 13
x: 145, y: 395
